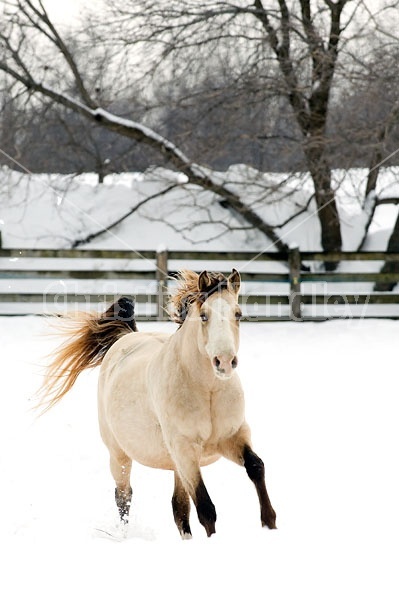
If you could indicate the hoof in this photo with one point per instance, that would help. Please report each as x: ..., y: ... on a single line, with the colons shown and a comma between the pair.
x: 270, y: 524
x: 210, y: 529
x: 268, y: 518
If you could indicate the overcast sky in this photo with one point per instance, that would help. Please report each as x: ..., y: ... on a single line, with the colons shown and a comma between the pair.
x: 64, y: 10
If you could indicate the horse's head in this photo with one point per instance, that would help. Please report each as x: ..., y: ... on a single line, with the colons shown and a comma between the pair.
x: 219, y: 316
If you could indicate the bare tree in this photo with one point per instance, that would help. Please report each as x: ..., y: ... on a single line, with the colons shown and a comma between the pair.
x: 281, y: 58
x: 383, y: 143
x: 383, y: 138
x: 64, y: 142
x: 310, y: 108
x: 29, y: 19
x: 393, y: 265
x: 294, y: 45
x: 297, y: 54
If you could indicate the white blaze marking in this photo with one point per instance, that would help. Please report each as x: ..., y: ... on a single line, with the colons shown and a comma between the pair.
x: 220, y: 334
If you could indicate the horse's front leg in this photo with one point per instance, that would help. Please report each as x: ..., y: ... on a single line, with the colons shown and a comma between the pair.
x: 186, y: 456
x: 181, y: 508
x: 256, y: 472
x: 238, y: 449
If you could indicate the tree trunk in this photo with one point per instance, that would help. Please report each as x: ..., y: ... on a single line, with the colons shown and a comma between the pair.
x: 311, y: 111
x: 376, y: 163
x: 320, y: 171
x: 390, y: 266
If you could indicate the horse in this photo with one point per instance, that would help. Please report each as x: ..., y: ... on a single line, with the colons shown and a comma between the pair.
x: 169, y: 401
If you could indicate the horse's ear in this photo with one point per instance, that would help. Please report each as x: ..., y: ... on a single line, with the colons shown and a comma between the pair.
x: 204, y: 281
x: 235, y: 281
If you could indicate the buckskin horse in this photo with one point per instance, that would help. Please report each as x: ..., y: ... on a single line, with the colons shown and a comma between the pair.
x: 169, y: 401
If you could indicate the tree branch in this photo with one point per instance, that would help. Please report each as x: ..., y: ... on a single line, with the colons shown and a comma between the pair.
x: 282, y: 53
x: 120, y: 220
x: 140, y: 133
x: 393, y: 200
x: 52, y: 34
x: 302, y: 210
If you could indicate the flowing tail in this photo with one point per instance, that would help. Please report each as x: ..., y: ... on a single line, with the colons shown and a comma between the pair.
x: 91, y: 337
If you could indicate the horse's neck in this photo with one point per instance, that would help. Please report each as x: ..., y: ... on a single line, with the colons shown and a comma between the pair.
x: 195, y: 364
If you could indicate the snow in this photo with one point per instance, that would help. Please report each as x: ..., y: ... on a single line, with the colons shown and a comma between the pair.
x: 141, y: 129
x: 322, y: 404
x: 321, y: 401
x: 55, y: 210
x: 369, y: 202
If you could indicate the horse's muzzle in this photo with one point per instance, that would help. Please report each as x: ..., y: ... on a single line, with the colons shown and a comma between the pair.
x: 224, y: 365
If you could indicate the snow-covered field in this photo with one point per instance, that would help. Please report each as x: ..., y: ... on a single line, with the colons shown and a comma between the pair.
x: 322, y: 402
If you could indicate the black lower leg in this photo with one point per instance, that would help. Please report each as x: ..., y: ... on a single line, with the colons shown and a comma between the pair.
x: 181, y: 512
x: 256, y: 472
x: 205, y: 508
x: 123, y: 501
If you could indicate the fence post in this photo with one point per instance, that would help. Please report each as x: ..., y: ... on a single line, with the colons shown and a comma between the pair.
x: 162, y: 284
x: 1, y: 243
x: 294, y: 262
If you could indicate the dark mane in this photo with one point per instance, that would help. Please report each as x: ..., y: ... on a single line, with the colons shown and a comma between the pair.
x: 188, y: 292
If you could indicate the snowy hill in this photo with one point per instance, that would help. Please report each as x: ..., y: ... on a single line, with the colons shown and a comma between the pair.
x: 54, y: 211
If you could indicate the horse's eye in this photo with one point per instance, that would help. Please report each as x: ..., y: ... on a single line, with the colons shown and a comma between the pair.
x: 203, y: 317
x: 238, y: 315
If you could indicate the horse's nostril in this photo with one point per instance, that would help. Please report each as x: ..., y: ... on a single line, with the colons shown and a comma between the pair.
x: 223, y: 363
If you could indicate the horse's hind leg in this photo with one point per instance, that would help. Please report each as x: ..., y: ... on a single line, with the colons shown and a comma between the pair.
x: 181, y: 508
x: 121, y: 466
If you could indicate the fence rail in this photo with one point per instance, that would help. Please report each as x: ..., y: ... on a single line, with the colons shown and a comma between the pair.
x: 150, y: 268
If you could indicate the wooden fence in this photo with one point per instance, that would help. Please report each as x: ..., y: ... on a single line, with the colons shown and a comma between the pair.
x: 148, y: 281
